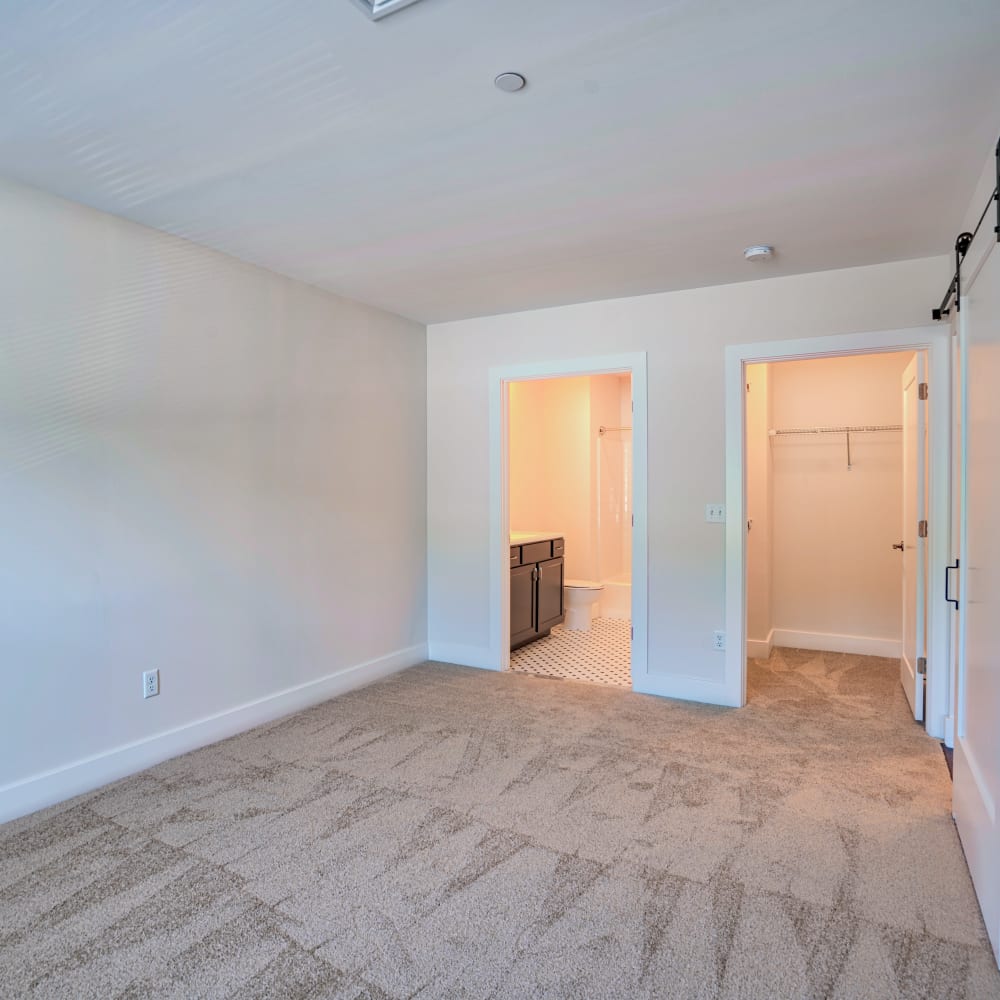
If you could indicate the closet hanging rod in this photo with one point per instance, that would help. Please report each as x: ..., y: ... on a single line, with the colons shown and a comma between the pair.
x: 602, y: 430
x: 860, y: 429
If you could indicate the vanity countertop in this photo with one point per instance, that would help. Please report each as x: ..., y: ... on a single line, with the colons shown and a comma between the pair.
x: 527, y: 537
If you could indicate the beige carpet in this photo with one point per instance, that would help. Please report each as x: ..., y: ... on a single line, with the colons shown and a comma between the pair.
x: 456, y: 833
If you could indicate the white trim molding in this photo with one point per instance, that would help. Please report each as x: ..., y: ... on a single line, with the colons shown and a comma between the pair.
x: 978, y: 779
x: 463, y: 656
x: 974, y: 810
x: 499, y: 399
x: 831, y: 642
x: 760, y: 649
x: 937, y: 342
x: 50, y: 787
x: 685, y: 688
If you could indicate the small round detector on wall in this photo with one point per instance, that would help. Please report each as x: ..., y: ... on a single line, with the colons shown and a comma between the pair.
x: 510, y: 83
x: 759, y: 252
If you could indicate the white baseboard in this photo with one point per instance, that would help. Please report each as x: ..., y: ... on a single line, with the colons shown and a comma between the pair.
x: 760, y: 649
x: 831, y: 642
x: 978, y: 781
x: 465, y: 656
x: 40, y: 790
x: 974, y: 810
x: 685, y: 688
x: 949, y: 731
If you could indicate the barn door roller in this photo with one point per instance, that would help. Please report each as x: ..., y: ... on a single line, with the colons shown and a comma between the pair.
x: 962, y: 245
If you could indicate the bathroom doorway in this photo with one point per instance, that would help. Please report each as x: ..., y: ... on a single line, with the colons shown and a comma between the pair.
x: 570, y: 504
x: 568, y: 492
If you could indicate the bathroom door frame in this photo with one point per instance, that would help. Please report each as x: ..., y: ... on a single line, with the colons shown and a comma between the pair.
x: 500, y: 379
x: 936, y: 341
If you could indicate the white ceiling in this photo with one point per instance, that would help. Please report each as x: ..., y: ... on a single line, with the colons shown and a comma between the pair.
x: 654, y: 141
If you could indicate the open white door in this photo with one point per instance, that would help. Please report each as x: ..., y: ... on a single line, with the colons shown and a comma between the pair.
x: 912, y: 664
x: 976, y: 795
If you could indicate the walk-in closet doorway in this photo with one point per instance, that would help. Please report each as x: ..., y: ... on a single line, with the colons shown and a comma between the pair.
x: 835, y: 452
x: 836, y: 456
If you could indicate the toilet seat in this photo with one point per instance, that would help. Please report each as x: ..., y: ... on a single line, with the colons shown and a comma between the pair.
x: 583, y: 585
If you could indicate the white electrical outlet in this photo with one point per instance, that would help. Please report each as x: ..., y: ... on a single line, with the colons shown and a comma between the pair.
x: 719, y: 639
x: 715, y: 512
x: 150, y: 683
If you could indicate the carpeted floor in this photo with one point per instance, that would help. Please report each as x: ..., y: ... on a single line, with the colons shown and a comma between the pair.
x: 457, y: 833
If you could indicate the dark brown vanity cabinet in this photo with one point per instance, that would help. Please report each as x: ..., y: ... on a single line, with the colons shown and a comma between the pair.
x: 536, y: 590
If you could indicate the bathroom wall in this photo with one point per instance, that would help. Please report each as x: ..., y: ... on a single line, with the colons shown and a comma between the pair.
x: 528, y: 490
x: 611, y: 397
x: 566, y: 429
x: 553, y: 459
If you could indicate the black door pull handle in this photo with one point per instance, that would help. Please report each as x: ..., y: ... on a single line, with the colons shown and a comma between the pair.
x: 947, y: 582
x: 901, y: 546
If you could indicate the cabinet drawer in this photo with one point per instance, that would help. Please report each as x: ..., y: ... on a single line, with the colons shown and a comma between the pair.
x: 558, y: 547
x: 515, y: 555
x: 536, y: 552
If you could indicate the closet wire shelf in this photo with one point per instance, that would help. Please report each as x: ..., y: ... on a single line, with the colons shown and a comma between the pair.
x: 860, y: 429
x: 846, y: 430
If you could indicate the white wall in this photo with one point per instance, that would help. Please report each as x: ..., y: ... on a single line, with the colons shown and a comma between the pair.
x: 684, y: 335
x: 759, y: 510
x: 204, y: 468
x: 836, y: 580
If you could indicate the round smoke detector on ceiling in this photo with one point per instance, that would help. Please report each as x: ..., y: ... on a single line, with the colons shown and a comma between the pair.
x: 759, y: 252
x: 510, y: 83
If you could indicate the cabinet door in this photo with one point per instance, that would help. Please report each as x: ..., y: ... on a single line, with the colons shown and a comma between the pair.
x: 550, y: 594
x: 522, y: 604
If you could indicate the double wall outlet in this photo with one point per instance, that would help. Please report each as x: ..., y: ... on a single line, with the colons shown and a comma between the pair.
x: 718, y: 639
x: 150, y: 683
x: 715, y: 512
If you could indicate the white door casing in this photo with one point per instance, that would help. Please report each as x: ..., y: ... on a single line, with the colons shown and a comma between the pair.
x: 914, y: 512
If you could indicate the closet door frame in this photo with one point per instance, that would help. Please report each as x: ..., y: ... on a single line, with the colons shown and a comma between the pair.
x: 936, y: 341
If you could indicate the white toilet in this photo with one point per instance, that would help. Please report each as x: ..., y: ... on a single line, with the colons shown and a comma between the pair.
x: 580, y: 599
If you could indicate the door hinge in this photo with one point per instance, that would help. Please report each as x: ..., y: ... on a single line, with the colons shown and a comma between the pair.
x: 921, y: 664
x: 631, y: 632
x: 921, y: 529
x: 922, y: 391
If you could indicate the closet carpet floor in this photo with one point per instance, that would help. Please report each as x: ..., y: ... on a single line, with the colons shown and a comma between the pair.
x: 450, y: 832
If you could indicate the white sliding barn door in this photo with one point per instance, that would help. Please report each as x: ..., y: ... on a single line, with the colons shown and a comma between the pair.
x: 977, y: 747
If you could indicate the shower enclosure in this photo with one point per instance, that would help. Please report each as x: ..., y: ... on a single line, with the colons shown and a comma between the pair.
x: 614, y: 520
